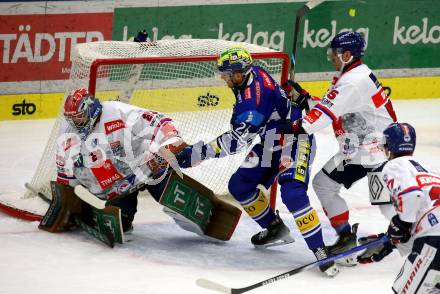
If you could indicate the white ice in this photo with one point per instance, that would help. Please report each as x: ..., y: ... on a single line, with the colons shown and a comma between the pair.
x: 162, y: 258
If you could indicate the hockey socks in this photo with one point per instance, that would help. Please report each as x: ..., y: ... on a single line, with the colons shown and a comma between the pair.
x: 257, y: 207
x: 310, y: 227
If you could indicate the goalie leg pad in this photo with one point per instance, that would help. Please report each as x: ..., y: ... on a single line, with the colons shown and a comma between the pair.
x: 64, y: 204
x: 102, y: 224
x: 128, y: 206
x: 195, y: 208
x: 420, y: 271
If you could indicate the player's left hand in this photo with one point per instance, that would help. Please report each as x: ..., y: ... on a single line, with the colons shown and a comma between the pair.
x: 192, y: 155
x: 376, y: 253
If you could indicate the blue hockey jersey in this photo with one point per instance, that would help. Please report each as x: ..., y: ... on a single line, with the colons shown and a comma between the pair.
x: 261, y: 108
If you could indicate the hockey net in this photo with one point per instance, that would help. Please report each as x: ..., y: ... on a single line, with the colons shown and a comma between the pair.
x: 175, y: 77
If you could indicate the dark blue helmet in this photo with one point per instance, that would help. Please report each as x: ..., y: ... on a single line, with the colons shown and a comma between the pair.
x: 349, y: 41
x: 400, y: 138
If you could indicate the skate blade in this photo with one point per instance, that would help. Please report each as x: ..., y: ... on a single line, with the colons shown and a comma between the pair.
x: 286, y: 240
x: 349, y: 261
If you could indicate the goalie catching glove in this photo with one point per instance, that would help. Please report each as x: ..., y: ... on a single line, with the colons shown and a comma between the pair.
x: 376, y: 253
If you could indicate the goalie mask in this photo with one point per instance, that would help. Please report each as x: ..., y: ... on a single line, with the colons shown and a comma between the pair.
x: 81, y: 111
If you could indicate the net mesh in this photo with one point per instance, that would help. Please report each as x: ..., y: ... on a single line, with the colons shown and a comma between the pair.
x: 175, y: 77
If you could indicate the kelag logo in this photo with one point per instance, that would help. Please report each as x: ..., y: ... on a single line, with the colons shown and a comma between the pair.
x: 23, y: 108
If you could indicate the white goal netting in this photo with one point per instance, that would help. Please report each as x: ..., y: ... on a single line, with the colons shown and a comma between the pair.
x: 175, y: 77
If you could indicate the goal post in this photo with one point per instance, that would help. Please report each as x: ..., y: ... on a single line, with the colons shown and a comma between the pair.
x: 176, y: 77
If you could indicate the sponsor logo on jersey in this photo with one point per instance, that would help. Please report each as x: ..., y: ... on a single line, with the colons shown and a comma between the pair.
x: 60, y: 161
x: 117, y: 148
x: 326, y: 102
x: 313, y: 116
x: 247, y: 94
x: 380, y: 98
x: 96, y: 156
x: 124, y: 186
x: 113, y: 126
x: 106, y: 174
x: 69, y: 143
x: 267, y: 82
x: 258, y: 92
x: 432, y: 219
x: 427, y: 180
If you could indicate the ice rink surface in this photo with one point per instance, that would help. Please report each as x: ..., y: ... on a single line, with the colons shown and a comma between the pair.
x: 162, y: 258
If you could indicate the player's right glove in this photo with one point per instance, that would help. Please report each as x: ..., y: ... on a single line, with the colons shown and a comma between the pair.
x: 299, y: 96
x: 398, y: 230
x: 376, y: 253
x: 192, y: 155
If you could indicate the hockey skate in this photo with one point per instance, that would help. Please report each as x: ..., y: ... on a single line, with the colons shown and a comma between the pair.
x: 345, y: 242
x: 330, y: 268
x: 275, y: 235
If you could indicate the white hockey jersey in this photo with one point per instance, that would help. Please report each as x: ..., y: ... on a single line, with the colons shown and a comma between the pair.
x: 415, y: 193
x: 359, y: 110
x: 113, y: 157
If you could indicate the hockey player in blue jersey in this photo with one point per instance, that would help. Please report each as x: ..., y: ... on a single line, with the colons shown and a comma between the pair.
x: 262, y: 109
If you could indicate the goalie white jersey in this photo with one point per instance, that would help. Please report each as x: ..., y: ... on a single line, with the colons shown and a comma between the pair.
x: 415, y: 193
x: 359, y: 110
x: 115, y: 155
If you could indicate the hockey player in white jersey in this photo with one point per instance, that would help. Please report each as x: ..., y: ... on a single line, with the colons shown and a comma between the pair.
x: 415, y: 194
x: 359, y: 110
x: 111, y: 148
x: 114, y: 150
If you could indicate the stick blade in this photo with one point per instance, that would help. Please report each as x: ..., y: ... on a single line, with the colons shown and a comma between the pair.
x: 88, y: 197
x: 207, y: 284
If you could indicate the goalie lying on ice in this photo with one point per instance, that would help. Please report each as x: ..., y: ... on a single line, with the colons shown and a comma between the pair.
x: 115, y: 150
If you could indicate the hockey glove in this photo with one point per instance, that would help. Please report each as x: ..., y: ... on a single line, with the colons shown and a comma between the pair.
x: 297, y: 94
x: 293, y: 127
x: 398, y: 230
x: 192, y: 155
x: 376, y: 253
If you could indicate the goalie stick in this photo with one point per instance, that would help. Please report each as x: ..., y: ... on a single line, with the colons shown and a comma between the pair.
x: 207, y: 284
x: 88, y: 197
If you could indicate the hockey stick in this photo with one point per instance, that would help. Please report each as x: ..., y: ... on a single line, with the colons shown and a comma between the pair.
x: 88, y: 197
x: 299, y: 14
x: 207, y: 284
